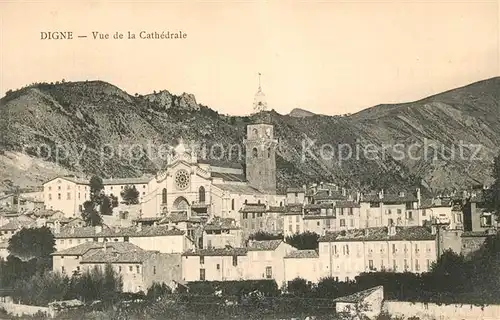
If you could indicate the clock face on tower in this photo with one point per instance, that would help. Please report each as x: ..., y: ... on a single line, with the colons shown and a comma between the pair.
x: 182, y: 179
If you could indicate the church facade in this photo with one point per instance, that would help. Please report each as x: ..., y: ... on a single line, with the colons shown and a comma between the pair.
x: 205, y: 188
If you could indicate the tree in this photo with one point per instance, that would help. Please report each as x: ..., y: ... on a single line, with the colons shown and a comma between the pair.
x: 262, y: 235
x: 130, y: 195
x: 450, y: 272
x: 90, y: 214
x: 41, y: 288
x: 96, y: 187
x: 304, y: 241
x: 157, y: 290
x: 30, y: 243
x: 97, y: 284
x: 106, y: 206
x: 299, y: 286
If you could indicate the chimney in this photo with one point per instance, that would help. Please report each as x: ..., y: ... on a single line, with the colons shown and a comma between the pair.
x: 433, y: 229
x: 381, y: 194
x: 98, y: 229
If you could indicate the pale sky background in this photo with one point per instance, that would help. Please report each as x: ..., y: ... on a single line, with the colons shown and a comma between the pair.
x: 329, y: 57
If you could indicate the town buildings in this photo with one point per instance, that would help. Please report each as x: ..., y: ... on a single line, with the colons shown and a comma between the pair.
x: 346, y: 254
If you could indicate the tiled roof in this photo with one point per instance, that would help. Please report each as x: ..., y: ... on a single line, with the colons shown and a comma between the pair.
x: 390, y: 198
x: 302, y: 254
x: 253, y: 208
x: 132, y: 256
x: 228, y: 176
x: 358, y: 296
x: 334, y: 195
x: 82, y: 232
x: 147, y: 219
x: 18, y: 222
x: 221, y: 223
x: 293, y: 190
x: 346, y: 204
x: 237, y: 188
x: 318, y: 206
x: 115, y: 181
x: 44, y: 213
x: 134, y: 231
x: 180, y: 217
x: 217, y: 252
x: 84, y: 248
x: 379, y: 234
x: 276, y: 209
x: 485, y: 233
x: 265, y: 245
x: 317, y: 216
x: 220, y: 163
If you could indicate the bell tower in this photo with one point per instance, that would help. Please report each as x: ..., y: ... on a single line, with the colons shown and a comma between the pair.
x: 260, y: 148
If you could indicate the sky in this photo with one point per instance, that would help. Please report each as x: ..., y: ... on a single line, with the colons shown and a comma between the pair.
x: 329, y: 57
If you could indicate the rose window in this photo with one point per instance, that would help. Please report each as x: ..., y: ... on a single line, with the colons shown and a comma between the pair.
x: 182, y: 179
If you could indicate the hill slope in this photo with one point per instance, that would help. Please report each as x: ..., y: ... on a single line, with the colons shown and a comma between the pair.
x: 87, y: 121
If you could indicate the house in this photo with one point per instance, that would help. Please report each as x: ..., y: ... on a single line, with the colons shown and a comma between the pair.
x: 215, y: 264
x: 14, y: 225
x: 361, y: 305
x: 138, y: 268
x: 222, y: 232
x: 293, y: 219
x: 384, y: 209
x: 295, y: 195
x: 266, y: 260
x: 476, y: 217
x: 258, y: 217
x: 159, y: 238
x: 68, y: 193
x: 303, y: 264
x: 346, y: 254
x: 19, y: 203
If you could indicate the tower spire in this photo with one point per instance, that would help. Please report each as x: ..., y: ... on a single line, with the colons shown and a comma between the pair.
x: 259, y: 80
x: 259, y: 103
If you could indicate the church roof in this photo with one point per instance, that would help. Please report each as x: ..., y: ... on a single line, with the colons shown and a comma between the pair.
x: 220, y: 163
x: 237, y: 188
x: 228, y: 176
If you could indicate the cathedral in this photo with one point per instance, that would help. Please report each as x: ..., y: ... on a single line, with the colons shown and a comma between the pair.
x: 207, y: 188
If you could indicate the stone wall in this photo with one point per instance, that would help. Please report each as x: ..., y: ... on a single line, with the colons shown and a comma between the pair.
x: 21, y: 309
x: 432, y: 311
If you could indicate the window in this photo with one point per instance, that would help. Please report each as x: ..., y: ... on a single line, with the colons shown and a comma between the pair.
x: 202, y: 260
x: 245, y: 215
x: 350, y: 211
x: 269, y: 152
x: 62, y: 269
x: 235, y: 261
x: 125, y: 239
x: 154, y: 269
x: 58, y: 196
x: 202, y: 274
x: 351, y: 223
x: 342, y: 222
x: 68, y: 196
x: 428, y: 265
x: 406, y: 264
x: 119, y: 268
x: 50, y: 196
x: 416, y: 248
x: 346, y: 250
x: 399, y: 211
x: 269, y: 272
x: 232, y: 204
x: 201, y: 194
x: 394, y: 248
x: 391, y: 222
x: 394, y: 265
x: 218, y: 266
x: 417, y: 266
x: 254, y: 152
x: 409, y: 214
x: 130, y: 268
x: 253, y: 215
x: 78, y: 195
x: 164, y: 196
x: 370, y: 264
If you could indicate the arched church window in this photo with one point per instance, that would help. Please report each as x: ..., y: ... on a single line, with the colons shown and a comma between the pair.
x: 269, y: 152
x: 164, y: 195
x: 201, y: 194
x: 232, y: 204
x: 254, y: 152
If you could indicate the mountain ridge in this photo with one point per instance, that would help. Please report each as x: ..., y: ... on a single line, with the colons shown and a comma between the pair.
x: 96, y: 114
